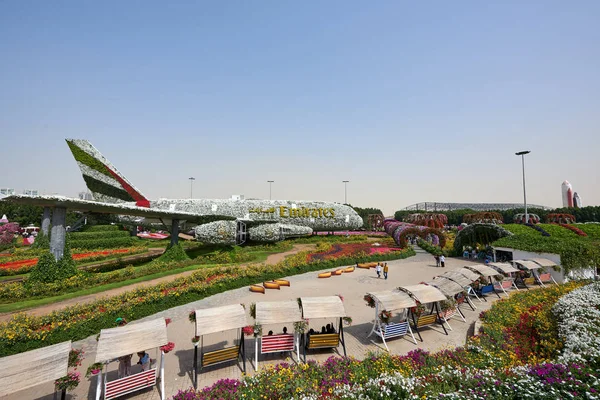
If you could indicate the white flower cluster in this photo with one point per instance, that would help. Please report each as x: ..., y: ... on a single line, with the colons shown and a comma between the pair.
x: 218, y: 232
x: 578, y: 314
x: 385, y: 386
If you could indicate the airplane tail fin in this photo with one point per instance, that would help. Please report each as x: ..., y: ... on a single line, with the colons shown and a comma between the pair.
x: 105, y: 182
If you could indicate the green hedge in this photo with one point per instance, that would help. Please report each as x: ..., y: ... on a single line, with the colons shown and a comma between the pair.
x: 431, y: 249
x: 98, y: 235
x: 101, y: 228
x: 108, y: 243
x: 78, y: 322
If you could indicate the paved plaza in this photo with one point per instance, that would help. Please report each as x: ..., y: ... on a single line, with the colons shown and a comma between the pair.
x: 352, y: 286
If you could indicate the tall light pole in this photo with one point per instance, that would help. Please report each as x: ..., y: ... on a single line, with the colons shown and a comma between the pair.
x: 522, y: 154
x: 345, y: 192
x: 270, y: 182
x: 192, y: 179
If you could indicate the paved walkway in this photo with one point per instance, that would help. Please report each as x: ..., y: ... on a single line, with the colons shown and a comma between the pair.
x: 47, y: 309
x: 352, y: 286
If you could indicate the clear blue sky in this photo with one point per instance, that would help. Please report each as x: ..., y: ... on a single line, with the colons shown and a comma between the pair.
x: 410, y: 102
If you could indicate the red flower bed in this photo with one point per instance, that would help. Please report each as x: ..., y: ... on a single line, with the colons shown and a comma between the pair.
x: 350, y: 250
x: 574, y: 229
x: 13, y: 265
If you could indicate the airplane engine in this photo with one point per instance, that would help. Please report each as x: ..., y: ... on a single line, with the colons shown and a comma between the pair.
x: 277, y: 232
x: 218, y: 232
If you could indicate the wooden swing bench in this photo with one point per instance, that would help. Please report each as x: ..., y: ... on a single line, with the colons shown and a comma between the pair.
x: 129, y: 384
x: 219, y: 356
x: 323, y: 341
x: 393, y: 330
x: 424, y: 321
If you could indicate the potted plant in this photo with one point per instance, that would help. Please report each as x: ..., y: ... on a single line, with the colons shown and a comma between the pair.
x: 195, y: 340
x: 94, y: 369
x: 447, y: 305
x: 167, y: 347
x: 370, y: 301
x: 257, y: 330
x: 192, y: 316
x: 347, y: 320
x: 248, y: 330
x: 300, y: 326
x: 385, y: 316
x: 75, y: 358
x: 418, y: 310
x: 68, y: 382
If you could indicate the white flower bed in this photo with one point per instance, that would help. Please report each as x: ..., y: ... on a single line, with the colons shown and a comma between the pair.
x: 578, y: 314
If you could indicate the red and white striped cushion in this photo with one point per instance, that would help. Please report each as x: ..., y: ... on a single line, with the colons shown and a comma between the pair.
x: 273, y: 343
x: 130, y: 384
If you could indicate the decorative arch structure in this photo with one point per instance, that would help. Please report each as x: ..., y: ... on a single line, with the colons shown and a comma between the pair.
x: 520, y: 218
x: 430, y: 220
x: 561, y: 218
x: 375, y: 222
x: 488, y: 217
x: 400, y: 230
x: 479, y: 234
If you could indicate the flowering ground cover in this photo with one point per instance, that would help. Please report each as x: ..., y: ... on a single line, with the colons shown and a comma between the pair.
x: 574, y: 229
x: 22, y: 266
x: 351, y: 250
x: 490, y: 366
x: 25, y: 332
x: 592, y: 230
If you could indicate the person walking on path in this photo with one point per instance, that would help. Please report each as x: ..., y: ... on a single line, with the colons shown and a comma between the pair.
x: 443, y: 260
x: 385, y: 271
x: 437, y: 260
x: 378, y: 270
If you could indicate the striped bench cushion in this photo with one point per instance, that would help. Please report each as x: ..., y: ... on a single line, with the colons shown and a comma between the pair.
x: 273, y: 343
x: 426, y: 320
x: 486, y: 289
x: 393, y: 330
x: 130, y: 384
x: 529, y: 281
x: 323, y: 340
x: 546, y: 278
x: 448, y: 313
x: 218, y: 356
x: 505, y: 284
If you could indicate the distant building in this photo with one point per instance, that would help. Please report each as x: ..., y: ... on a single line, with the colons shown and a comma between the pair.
x: 567, y: 194
x: 7, y: 191
x: 30, y: 192
x: 237, y: 197
x: 436, y: 206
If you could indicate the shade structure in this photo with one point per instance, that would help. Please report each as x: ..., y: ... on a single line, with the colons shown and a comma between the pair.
x: 391, y: 300
x: 473, y: 276
x: 544, y: 262
x: 447, y: 286
x: 322, y: 307
x: 458, y: 278
x: 530, y: 265
x: 277, y: 312
x: 482, y: 270
x: 504, y: 267
x: 25, y: 370
x: 131, y: 338
x: 220, y: 319
x: 424, y: 293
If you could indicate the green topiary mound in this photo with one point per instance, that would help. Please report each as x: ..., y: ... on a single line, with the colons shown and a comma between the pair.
x: 49, y: 270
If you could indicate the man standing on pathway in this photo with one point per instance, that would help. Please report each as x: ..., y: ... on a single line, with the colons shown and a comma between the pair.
x: 385, y: 271
x: 443, y: 260
x: 378, y: 270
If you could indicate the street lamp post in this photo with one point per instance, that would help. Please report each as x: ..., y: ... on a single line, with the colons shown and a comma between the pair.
x: 345, y: 192
x: 522, y: 154
x: 270, y: 182
x: 192, y: 179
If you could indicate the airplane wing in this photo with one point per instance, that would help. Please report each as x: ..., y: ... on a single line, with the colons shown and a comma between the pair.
x: 111, y: 208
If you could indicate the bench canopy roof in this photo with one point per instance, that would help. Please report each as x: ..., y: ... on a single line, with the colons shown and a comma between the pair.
x: 504, y: 267
x: 456, y: 277
x: 527, y: 264
x: 482, y: 270
x: 322, y: 307
x: 447, y: 286
x: 220, y: 319
x: 24, y: 370
x: 278, y: 312
x: 544, y: 262
x: 392, y: 300
x: 473, y: 276
x: 130, y: 339
x: 424, y: 293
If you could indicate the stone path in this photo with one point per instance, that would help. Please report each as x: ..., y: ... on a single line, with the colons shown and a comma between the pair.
x: 47, y: 309
x: 352, y: 286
